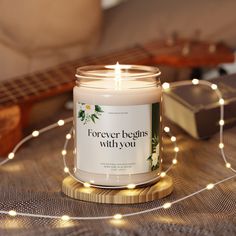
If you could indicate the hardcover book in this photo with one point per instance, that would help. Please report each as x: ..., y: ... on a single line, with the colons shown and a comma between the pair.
x: 196, y: 109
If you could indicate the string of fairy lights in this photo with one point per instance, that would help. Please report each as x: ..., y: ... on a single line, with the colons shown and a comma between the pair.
x: 118, y: 216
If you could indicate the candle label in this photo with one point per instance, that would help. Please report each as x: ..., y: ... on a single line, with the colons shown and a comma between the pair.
x: 117, y: 139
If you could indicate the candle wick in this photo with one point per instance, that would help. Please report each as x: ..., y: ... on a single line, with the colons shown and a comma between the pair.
x: 117, y: 76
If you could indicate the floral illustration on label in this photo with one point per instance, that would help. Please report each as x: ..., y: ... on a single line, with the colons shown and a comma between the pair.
x: 88, y: 112
x: 154, y: 157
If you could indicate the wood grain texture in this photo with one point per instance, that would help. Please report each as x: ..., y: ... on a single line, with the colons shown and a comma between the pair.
x: 76, y: 190
x: 10, y: 128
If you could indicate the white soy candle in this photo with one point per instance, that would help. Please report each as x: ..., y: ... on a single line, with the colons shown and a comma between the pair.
x: 117, y: 124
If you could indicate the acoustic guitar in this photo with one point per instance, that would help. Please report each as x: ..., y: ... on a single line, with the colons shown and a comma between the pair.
x: 19, y: 94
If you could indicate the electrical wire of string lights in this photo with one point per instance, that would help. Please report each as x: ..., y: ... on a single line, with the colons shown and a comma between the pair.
x: 118, y: 216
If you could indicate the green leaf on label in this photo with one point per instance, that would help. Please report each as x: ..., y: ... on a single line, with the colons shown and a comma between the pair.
x: 95, y: 116
x: 92, y: 117
x: 98, y: 108
x: 81, y: 113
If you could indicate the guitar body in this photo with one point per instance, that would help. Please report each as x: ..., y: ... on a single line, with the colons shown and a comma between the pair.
x: 10, y: 128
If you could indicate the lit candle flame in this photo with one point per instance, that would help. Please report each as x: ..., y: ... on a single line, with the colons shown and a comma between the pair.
x: 117, y: 71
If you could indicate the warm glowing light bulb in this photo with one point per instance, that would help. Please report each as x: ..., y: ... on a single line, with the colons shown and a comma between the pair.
x: 221, y: 122
x: 61, y: 122
x: 11, y: 155
x: 12, y: 213
x: 228, y: 165
x: 176, y: 149
x: 167, y: 205
x: 131, y: 186
x: 87, y: 185
x: 63, y: 152
x: 214, y: 86
x: 66, y: 169
x: 35, y: 133
x: 174, y: 161
x: 117, y: 216
x: 167, y: 129
x: 163, y: 174
x: 165, y: 86
x: 173, y: 138
x: 65, y: 217
x: 221, y: 145
x: 210, y: 186
x: 68, y: 136
x: 222, y: 101
x: 195, y: 81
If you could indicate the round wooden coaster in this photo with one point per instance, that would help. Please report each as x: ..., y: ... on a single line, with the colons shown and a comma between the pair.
x: 76, y: 190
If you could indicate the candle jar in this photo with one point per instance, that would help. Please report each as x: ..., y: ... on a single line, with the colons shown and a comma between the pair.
x: 117, y: 120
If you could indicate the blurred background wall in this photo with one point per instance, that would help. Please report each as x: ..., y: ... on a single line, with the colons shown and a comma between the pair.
x: 41, y: 33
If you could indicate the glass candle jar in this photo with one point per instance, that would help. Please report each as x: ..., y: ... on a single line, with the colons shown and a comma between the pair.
x: 117, y: 124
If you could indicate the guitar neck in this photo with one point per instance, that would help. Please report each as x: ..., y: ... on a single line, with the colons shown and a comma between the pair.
x: 60, y: 79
